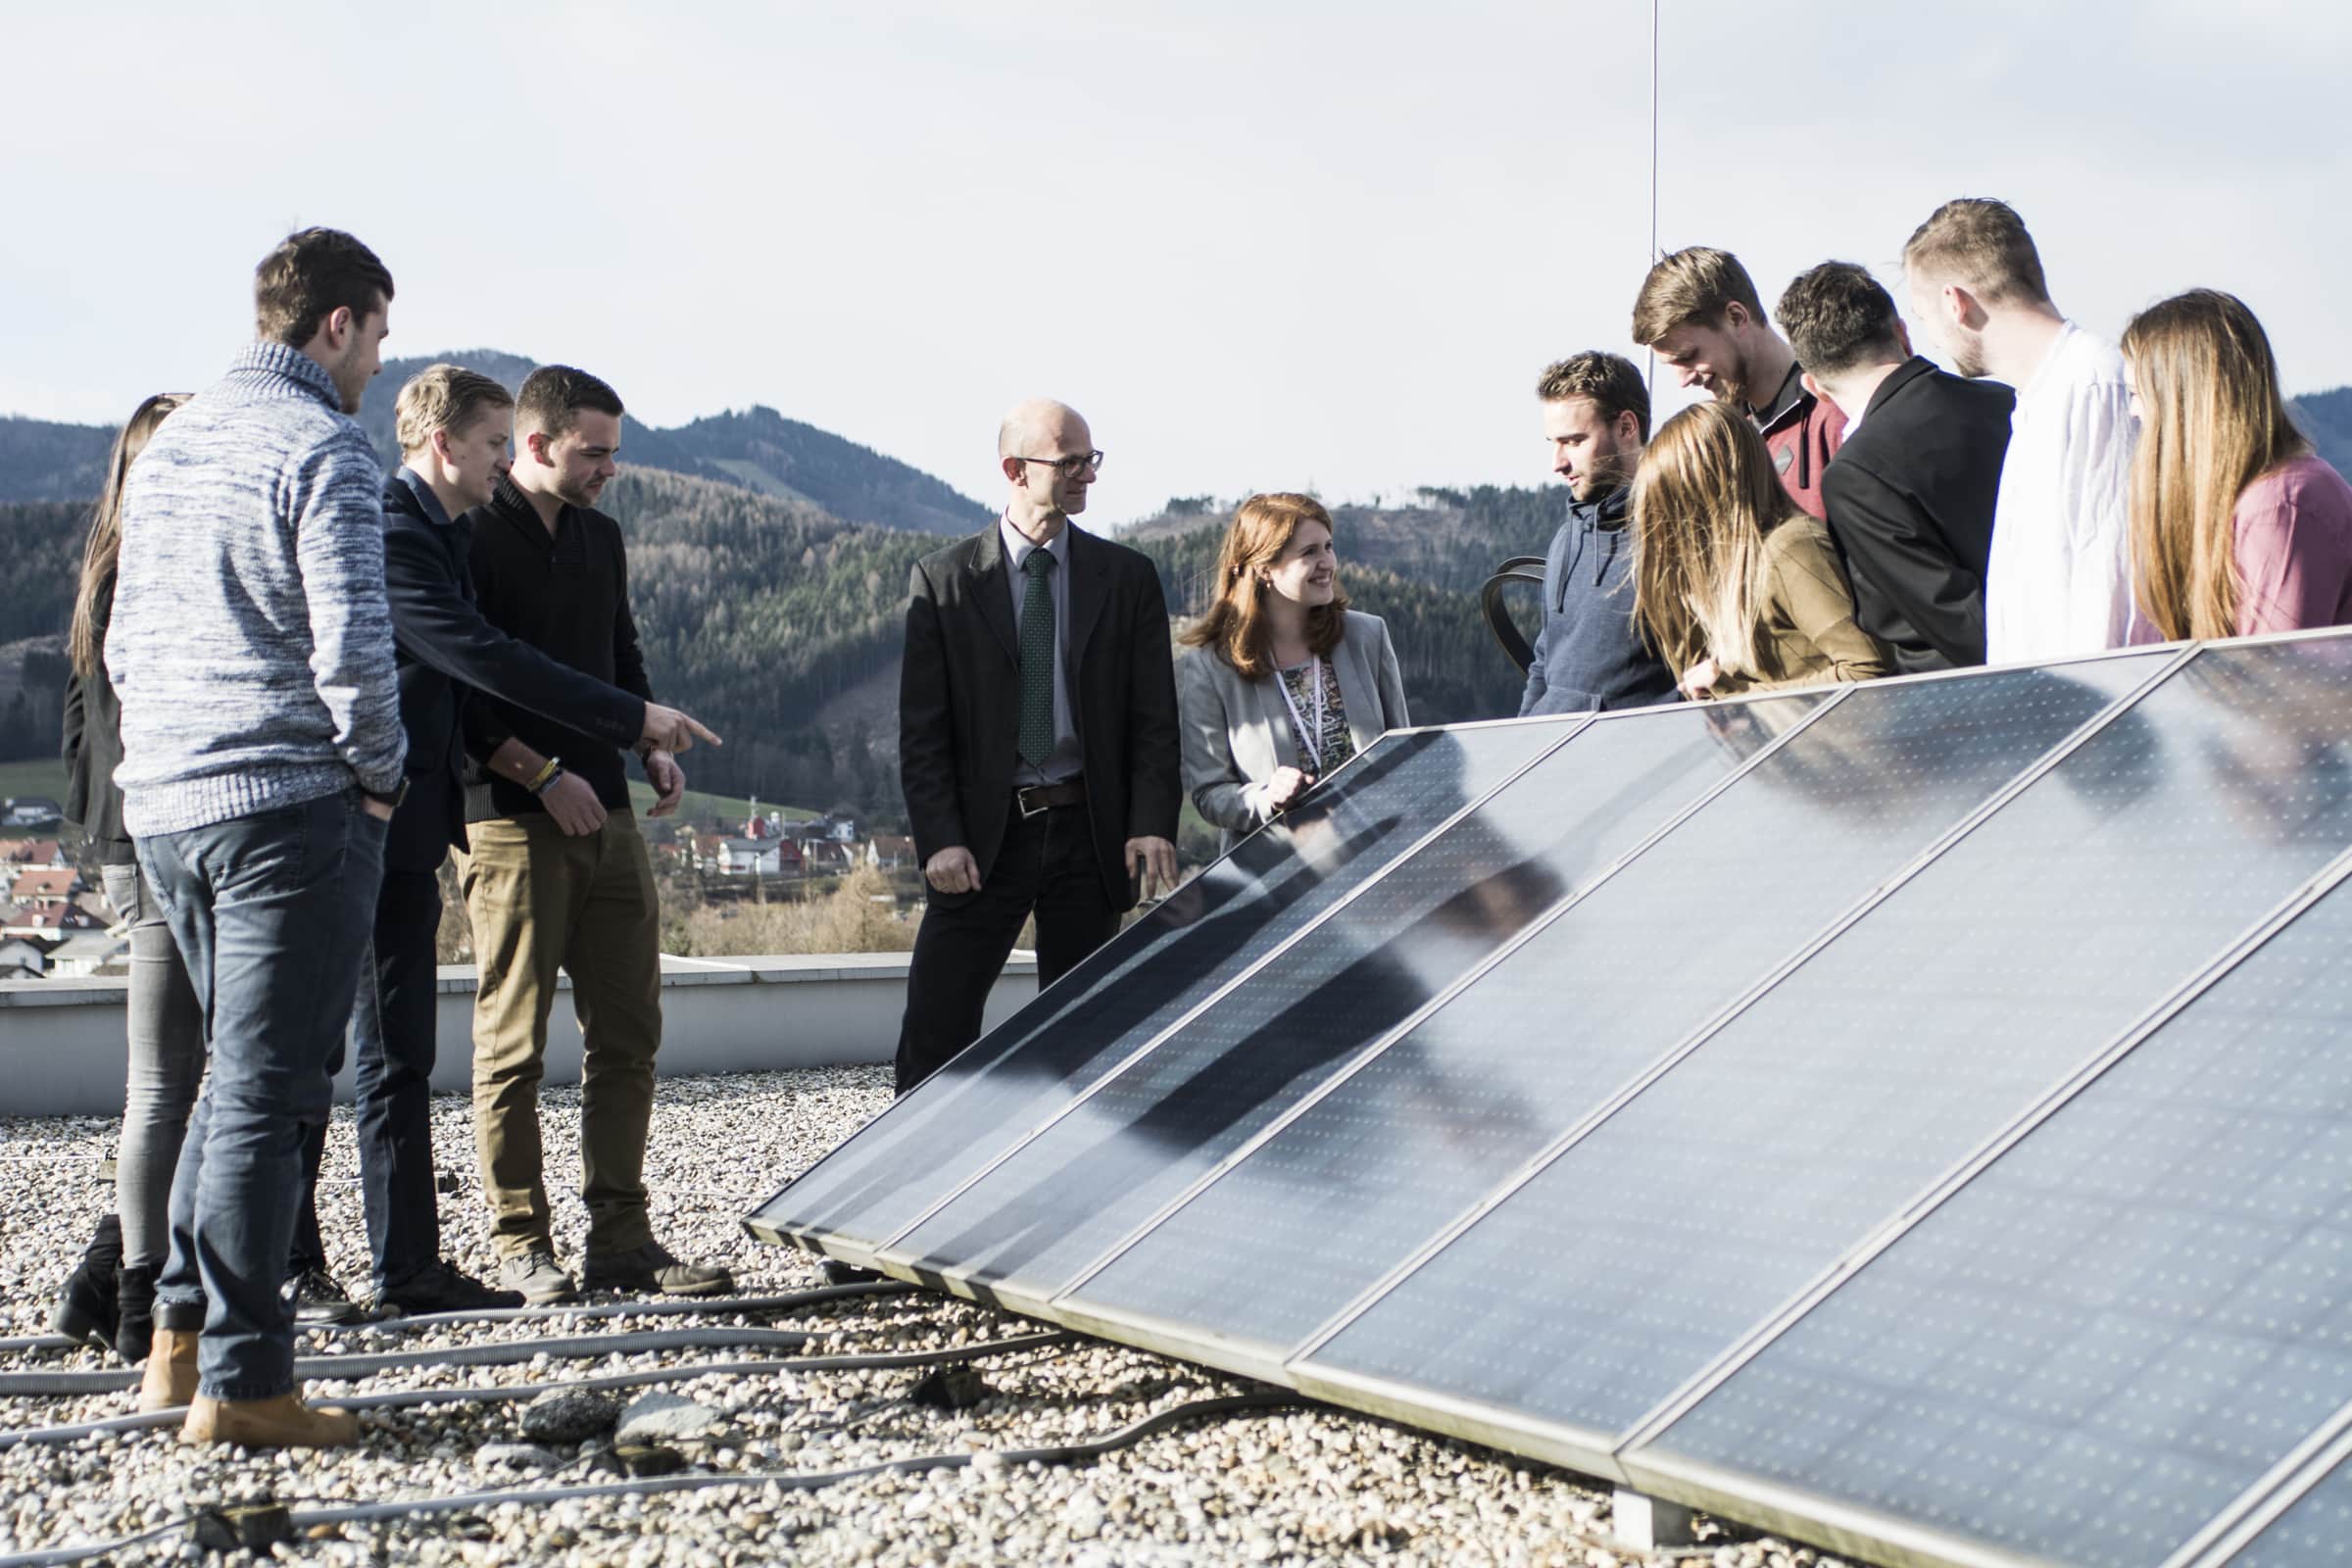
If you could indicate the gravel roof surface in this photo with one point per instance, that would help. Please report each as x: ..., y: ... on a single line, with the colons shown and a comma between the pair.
x: 1298, y: 1485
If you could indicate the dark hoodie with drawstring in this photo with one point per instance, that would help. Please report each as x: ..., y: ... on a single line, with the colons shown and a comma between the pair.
x: 1589, y: 653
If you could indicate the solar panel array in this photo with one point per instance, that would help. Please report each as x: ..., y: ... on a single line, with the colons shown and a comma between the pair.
x: 1916, y: 1116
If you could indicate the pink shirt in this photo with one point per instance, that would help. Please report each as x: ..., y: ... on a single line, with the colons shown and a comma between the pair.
x: 2295, y: 549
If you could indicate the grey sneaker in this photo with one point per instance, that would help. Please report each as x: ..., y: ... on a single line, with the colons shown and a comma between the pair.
x: 538, y: 1276
x: 649, y: 1270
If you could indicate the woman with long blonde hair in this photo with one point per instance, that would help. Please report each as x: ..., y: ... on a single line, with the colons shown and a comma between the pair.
x: 1284, y: 682
x: 109, y: 1297
x: 2237, y: 526
x: 1734, y: 587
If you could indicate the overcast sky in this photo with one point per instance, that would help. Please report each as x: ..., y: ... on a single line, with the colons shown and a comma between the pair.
x: 1259, y: 245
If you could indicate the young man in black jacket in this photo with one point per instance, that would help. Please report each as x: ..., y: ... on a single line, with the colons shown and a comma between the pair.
x: 454, y: 428
x: 556, y: 874
x: 1911, y: 493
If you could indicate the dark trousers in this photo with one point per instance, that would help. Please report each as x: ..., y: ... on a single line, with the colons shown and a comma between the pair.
x: 392, y: 1041
x: 271, y: 912
x: 1046, y: 867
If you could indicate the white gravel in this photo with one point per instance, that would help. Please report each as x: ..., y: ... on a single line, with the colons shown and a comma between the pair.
x: 1304, y: 1485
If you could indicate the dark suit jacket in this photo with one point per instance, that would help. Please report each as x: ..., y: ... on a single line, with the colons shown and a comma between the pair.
x: 442, y: 646
x: 960, y: 701
x: 1910, y: 500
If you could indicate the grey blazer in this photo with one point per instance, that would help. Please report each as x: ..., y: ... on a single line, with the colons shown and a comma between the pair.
x: 1237, y: 732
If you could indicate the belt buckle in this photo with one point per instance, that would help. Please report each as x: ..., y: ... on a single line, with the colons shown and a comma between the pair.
x: 1020, y: 798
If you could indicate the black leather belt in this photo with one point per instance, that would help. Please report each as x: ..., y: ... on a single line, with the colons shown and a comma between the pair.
x: 1045, y: 797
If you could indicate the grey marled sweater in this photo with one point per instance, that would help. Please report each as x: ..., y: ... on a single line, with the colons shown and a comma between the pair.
x: 251, y: 643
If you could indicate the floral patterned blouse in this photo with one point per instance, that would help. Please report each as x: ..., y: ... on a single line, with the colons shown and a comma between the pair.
x: 1318, y: 755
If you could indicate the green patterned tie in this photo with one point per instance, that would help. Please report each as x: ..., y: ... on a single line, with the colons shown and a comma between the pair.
x: 1037, y: 659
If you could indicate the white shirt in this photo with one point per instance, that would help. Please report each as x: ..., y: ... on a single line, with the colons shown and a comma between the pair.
x: 2059, y: 581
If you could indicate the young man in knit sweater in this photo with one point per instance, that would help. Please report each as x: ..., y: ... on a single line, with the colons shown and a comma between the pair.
x: 252, y: 650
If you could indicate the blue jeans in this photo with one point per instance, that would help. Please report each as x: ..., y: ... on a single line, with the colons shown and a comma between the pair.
x: 272, y: 914
x: 392, y: 1038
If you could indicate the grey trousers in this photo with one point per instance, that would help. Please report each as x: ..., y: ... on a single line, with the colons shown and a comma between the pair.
x: 166, y: 1039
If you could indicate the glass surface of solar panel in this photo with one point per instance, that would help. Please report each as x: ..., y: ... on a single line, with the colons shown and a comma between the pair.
x: 1032, y: 1223
x: 2117, y: 1326
x: 1629, y: 1263
x: 1445, y: 1113
x: 1236, y: 912
x: 2315, y: 1533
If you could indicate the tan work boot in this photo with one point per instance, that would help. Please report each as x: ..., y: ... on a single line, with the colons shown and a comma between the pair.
x: 284, y: 1422
x: 171, y: 1380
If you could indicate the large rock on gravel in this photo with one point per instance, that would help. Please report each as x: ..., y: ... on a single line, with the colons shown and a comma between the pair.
x: 568, y: 1415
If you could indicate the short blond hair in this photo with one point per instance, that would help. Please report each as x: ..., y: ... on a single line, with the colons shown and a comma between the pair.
x: 444, y: 397
x: 1982, y: 246
x: 1697, y: 283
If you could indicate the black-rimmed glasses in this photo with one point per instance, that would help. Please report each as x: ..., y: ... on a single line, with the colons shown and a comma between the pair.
x: 1068, y: 467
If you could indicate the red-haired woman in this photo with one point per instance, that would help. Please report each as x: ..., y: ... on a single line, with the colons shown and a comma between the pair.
x: 1284, y: 682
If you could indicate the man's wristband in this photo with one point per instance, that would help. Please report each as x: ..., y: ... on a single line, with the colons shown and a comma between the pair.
x: 549, y: 772
x: 548, y: 782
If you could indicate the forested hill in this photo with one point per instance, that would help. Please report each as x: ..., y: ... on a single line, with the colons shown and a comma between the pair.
x: 779, y: 623
x: 757, y: 449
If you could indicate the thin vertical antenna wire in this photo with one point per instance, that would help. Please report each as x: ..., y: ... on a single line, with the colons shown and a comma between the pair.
x: 1652, y: 377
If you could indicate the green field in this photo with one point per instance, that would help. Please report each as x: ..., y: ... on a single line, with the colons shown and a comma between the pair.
x: 704, y: 810
x: 40, y: 775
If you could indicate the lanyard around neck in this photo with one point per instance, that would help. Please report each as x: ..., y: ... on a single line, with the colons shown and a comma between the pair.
x: 1310, y: 740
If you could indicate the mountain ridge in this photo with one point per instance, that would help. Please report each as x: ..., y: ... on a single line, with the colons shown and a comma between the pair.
x: 757, y: 449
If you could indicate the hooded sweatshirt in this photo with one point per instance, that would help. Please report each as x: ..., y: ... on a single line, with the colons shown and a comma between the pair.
x: 1589, y: 653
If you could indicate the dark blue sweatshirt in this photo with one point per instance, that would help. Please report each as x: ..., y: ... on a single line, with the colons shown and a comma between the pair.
x: 1589, y: 653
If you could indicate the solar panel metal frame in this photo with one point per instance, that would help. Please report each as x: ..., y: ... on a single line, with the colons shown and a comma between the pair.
x: 1592, y: 1450
x: 1012, y: 1297
x: 2267, y: 1500
x: 1883, y: 1537
x: 1143, y: 1330
x: 879, y: 1256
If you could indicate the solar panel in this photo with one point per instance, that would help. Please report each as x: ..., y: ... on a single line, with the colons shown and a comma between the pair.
x: 1383, y: 1161
x: 1664, y: 1233
x: 1033, y: 1223
x: 1274, y: 884
x: 2122, y: 1323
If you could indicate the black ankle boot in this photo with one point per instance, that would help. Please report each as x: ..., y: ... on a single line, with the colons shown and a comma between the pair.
x: 86, y: 1307
x: 134, y: 1306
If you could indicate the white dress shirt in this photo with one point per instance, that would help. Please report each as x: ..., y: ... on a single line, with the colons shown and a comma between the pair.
x: 2059, y: 581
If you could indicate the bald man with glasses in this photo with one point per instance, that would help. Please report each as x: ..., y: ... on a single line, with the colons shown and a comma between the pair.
x: 1037, y: 737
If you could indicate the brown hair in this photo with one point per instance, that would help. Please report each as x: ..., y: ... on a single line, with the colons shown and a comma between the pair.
x: 311, y: 274
x: 1235, y: 625
x: 1703, y: 499
x: 444, y: 397
x: 554, y: 395
x: 1981, y: 245
x: 94, y: 595
x: 1608, y: 379
x: 1838, y: 319
x: 1697, y: 283
x: 2215, y: 421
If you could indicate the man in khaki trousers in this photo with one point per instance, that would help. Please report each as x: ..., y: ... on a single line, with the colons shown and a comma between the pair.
x: 556, y: 876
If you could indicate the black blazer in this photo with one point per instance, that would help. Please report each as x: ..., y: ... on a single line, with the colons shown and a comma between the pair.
x: 960, y: 701
x: 1910, y: 498
x: 93, y: 750
x: 442, y: 646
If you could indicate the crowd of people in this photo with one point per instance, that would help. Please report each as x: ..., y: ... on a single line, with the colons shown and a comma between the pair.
x: 298, y: 686
x: 1841, y: 510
